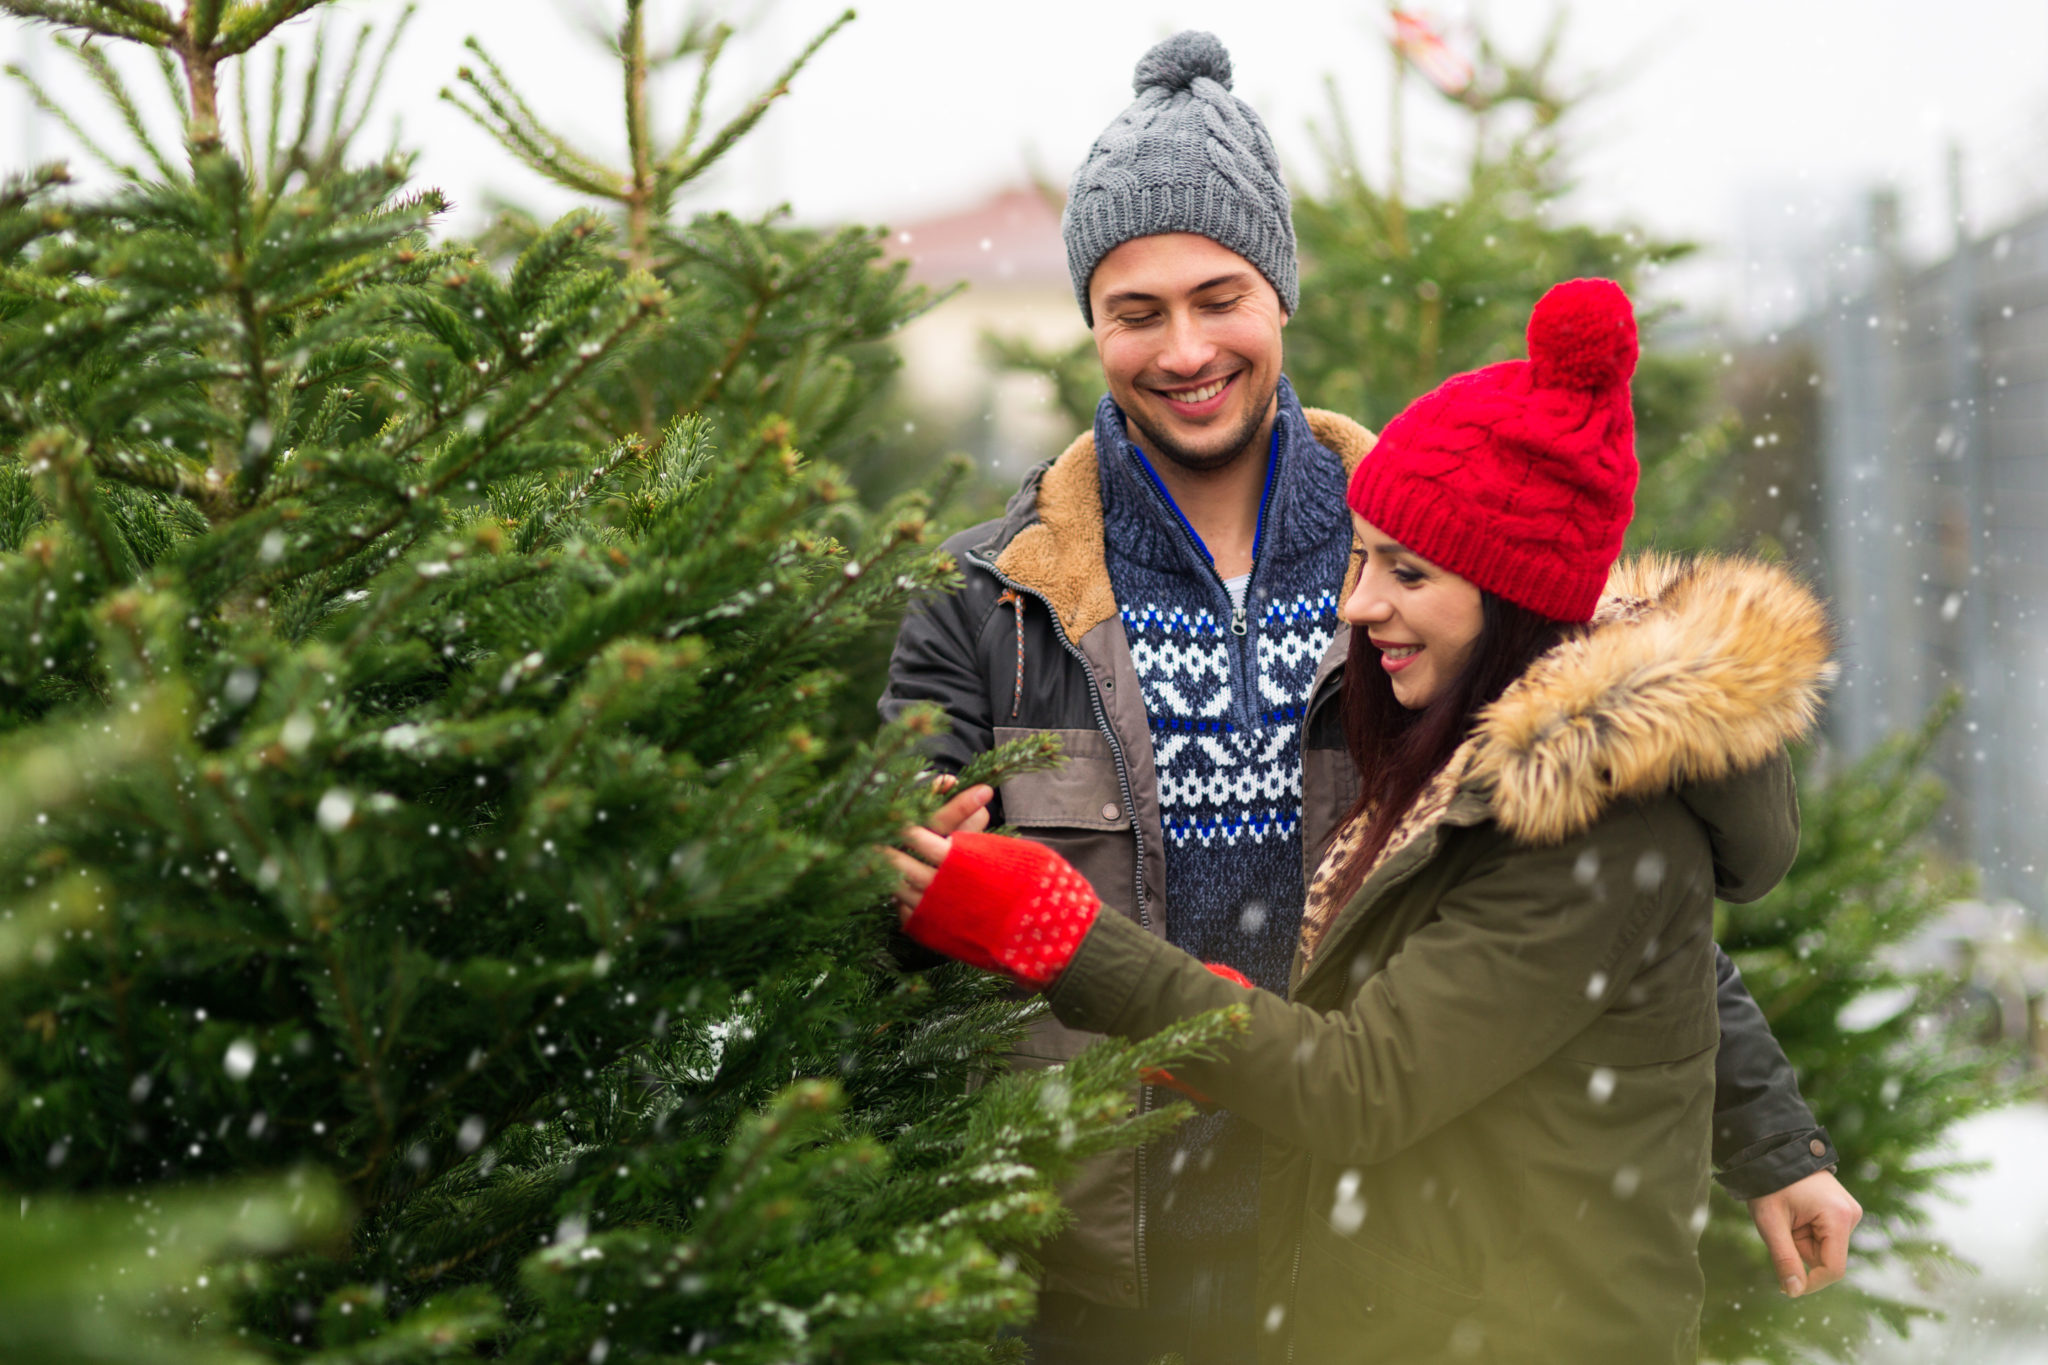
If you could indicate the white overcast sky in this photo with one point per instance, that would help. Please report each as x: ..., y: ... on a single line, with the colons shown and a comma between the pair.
x: 1744, y: 123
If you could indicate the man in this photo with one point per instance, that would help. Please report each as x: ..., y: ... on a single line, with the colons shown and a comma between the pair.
x: 1163, y: 597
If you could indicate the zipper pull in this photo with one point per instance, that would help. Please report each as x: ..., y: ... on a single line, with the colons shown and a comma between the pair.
x: 1237, y: 620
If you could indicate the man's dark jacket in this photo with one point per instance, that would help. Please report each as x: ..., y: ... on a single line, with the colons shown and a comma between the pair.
x: 1032, y: 642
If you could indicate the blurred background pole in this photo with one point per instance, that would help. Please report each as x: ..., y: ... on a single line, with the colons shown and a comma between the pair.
x: 1981, y: 689
x: 1881, y: 645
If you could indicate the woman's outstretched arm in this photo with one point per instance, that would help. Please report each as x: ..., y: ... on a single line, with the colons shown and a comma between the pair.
x: 1525, y: 955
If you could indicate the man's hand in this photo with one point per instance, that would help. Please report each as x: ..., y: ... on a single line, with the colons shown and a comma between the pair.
x: 966, y: 813
x: 1806, y: 1228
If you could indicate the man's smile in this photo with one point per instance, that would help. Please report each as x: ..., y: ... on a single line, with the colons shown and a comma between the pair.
x: 1199, y: 400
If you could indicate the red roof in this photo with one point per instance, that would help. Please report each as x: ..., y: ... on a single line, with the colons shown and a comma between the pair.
x: 1012, y: 238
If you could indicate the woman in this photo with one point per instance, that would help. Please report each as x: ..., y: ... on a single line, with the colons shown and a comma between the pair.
x: 1486, y: 1097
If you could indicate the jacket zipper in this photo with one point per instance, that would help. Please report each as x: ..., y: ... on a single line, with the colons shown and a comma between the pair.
x: 1243, y: 674
x: 1293, y: 1297
x: 1123, y: 778
x: 1240, y: 614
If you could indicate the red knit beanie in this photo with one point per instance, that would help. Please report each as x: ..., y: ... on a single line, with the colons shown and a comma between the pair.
x: 1521, y: 477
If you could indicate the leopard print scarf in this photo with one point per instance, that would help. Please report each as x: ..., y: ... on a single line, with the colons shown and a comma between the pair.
x: 1322, y: 906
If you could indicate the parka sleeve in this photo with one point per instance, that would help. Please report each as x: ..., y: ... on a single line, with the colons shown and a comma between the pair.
x: 1528, y: 950
x: 1765, y: 1136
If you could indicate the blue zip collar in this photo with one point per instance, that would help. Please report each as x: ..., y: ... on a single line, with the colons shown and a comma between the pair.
x: 1265, y: 498
x: 1302, y: 502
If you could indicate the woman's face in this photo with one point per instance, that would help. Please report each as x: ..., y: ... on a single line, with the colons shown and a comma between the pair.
x: 1423, y: 620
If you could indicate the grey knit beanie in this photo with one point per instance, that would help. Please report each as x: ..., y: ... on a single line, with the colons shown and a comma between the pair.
x: 1187, y: 156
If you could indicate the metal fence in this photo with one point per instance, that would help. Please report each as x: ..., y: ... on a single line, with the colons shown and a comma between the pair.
x: 1933, y: 462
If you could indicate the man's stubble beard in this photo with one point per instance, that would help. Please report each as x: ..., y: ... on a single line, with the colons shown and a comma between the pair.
x: 1194, y: 461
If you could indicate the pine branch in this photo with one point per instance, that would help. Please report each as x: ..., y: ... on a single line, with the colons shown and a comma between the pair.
x: 59, y: 459
x: 639, y: 156
x: 681, y: 169
x: 258, y: 170
x: 174, y: 85
x: 412, y: 213
x: 101, y: 68
x: 337, y: 100
x: 273, y: 125
x: 341, y: 132
x: 202, y: 22
x: 139, y: 21
x: 714, y: 383
x: 19, y: 226
x: 366, y: 1070
x: 520, y: 131
x: 156, y: 471
x: 244, y: 27
x: 452, y: 471
x: 623, y: 453
x: 296, y: 153
x: 42, y: 100
x: 694, y: 123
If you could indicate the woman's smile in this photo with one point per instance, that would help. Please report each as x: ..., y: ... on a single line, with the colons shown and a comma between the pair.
x: 1395, y: 657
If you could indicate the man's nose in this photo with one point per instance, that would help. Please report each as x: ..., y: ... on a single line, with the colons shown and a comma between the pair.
x: 1188, y: 349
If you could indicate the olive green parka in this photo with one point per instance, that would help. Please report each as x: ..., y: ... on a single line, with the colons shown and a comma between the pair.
x: 1487, y: 1097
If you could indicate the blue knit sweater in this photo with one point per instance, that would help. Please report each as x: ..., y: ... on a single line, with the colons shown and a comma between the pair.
x: 1226, y: 712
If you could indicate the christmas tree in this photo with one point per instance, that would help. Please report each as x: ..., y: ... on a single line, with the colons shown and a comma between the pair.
x: 788, y: 321
x: 439, y: 920
x: 792, y: 321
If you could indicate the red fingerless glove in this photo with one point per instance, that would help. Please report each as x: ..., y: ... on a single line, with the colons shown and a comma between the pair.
x: 1165, y: 1078
x: 1006, y: 905
x: 1230, y: 974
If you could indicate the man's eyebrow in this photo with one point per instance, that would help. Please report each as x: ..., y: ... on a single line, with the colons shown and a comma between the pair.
x: 1235, y: 277
x: 1124, y: 296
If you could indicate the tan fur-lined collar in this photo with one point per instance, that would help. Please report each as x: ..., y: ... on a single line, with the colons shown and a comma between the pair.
x: 1060, y: 556
x: 1693, y: 671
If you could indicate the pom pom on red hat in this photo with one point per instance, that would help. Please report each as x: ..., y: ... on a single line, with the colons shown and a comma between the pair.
x: 1582, y: 335
x: 1521, y: 477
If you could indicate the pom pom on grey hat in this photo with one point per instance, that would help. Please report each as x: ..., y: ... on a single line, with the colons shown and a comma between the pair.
x: 1176, y: 62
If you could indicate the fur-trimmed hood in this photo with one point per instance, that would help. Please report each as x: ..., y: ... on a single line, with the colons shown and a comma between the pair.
x: 1692, y: 671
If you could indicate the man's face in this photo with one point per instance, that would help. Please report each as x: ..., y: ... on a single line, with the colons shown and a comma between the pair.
x: 1189, y: 336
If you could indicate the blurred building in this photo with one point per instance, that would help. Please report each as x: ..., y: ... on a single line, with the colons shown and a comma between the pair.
x: 1008, y: 254
x: 1920, y: 397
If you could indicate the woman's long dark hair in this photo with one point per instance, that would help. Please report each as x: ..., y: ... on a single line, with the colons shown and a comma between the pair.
x: 1396, y: 750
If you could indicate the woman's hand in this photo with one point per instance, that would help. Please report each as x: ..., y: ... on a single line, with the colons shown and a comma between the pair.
x: 927, y: 845
x: 1004, y: 905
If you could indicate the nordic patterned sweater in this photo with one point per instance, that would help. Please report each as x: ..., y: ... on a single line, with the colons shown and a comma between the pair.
x: 1226, y: 712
